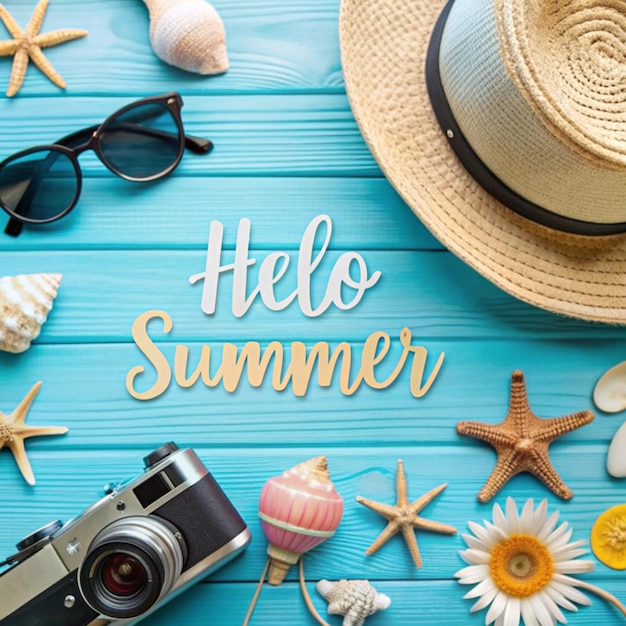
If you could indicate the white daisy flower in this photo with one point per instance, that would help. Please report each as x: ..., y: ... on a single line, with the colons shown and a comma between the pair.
x: 521, y: 566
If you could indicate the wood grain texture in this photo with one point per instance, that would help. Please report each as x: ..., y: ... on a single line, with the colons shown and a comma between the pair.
x: 355, y: 470
x: 273, y: 47
x: 287, y: 149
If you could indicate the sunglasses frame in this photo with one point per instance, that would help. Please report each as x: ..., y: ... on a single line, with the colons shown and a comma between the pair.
x: 89, y: 139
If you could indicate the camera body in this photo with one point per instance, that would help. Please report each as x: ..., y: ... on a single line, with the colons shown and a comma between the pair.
x: 127, y: 554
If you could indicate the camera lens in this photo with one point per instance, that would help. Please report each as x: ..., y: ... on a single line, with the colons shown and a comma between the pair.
x: 123, y: 575
x: 130, y: 565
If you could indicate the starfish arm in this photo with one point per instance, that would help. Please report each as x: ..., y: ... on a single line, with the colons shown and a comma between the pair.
x: 389, y: 531
x: 543, y: 469
x: 19, y: 452
x: 401, y: 485
x: 19, y: 414
x: 38, y: 431
x: 507, y: 466
x: 552, y: 428
x: 386, y: 510
x: 11, y: 25
x: 55, y: 37
x: 411, y: 542
x: 8, y: 47
x: 436, y: 527
x: 519, y: 409
x: 490, y: 433
x: 427, y: 498
x: 36, y: 19
x: 46, y: 67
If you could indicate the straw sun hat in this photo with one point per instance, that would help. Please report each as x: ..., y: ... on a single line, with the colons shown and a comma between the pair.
x: 530, y: 95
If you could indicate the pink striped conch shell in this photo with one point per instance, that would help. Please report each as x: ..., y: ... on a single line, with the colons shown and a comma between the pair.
x: 188, y: 34
x: 25, y: 302
x: 299, y: 510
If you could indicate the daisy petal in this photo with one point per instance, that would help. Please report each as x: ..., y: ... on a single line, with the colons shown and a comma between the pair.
x: 527, y: 518
x: 573, y: 567
x: 472, y: 574
x: 563, y: 584
x: 541, y: 612
x: 497, y: 607
x: 480, y: 532
x: 527, y: 613
x: 484, y: 587
x: 475, y: 556
x: 540, y: 516
x: 499, y: 519
x: 485, y: 600
x: 474, y: 542
x: 568, y: 553
x: 511, y: 515
x: 512, y: 612
x: 555, y: 535
x: 550, y: 604
x: 559, y: 598
x: 548, y: 526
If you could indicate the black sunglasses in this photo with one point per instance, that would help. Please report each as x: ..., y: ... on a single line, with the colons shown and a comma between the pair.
x: 141, y: 142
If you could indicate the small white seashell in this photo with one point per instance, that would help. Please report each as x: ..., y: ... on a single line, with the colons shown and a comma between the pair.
x: 188, y: 34
x: 609, y: 394
x: 25, y: 302
x: 616, y: 458
x: 354, y: 599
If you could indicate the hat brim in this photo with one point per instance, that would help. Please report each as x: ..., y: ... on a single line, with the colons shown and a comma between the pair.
x: 383, y: 53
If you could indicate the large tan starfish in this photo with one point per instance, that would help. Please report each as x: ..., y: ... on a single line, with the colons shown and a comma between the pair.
x: 402, y: 516
x: 522, y: 441
x: 13, y: 431
x: 28, y: 43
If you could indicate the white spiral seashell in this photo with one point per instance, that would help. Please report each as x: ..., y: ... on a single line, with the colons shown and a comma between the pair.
x: 354, y: 599
x: 188, y: 34
x: 25, y: 302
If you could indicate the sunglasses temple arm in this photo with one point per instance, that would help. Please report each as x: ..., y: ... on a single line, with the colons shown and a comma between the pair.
x: 13, y: 227
x: 198, y: 145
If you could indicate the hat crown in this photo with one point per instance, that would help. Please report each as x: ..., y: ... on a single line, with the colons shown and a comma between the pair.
x: 533, y: 110
x: 568, y: 60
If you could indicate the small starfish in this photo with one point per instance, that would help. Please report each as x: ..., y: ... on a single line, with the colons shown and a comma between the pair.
x: 403, y: 516
x: 28, y: 43
x: 522, y: 441
x: 13, y: 431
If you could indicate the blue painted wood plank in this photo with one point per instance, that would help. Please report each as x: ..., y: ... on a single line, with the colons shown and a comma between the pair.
x: 365, y: 471
x: 176, y: 214
x: 84, y: 386
x: 432, y: 293
x: 273, y: 46
x: 428, y: 603
x: 271, y: 135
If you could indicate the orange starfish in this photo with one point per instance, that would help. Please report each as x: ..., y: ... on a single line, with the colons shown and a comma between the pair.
x: 402, y: 516
x: 13, y: 431
x: 28, y: 43
x: 522, y: 441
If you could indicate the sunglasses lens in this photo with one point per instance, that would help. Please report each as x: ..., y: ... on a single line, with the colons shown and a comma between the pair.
x: 38, y: 186
x: 143, y: 142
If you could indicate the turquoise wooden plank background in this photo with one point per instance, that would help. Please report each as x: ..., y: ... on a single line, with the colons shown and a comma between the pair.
x: 287, y: 149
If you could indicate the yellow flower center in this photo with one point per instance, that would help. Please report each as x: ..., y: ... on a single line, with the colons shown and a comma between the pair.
x: 521, y: 565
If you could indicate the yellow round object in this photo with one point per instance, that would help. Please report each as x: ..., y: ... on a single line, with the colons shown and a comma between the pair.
x: 608, y: 537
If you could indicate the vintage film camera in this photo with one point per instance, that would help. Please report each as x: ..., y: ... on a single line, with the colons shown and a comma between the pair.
x: 128, y: 553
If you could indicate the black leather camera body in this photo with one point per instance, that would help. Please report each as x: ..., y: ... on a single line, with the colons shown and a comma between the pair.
x: 119, y: 560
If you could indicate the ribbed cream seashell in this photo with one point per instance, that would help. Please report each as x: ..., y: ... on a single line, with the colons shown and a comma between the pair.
x: 25, y: 302
x: 354, y: 599
x: 188, y: 34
